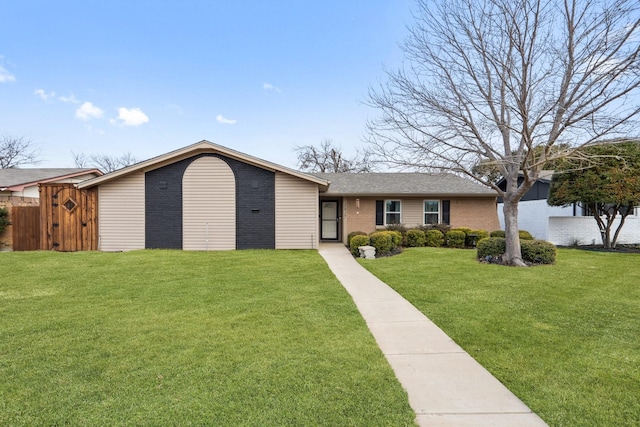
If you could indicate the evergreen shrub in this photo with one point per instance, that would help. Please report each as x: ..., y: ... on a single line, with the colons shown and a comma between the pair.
x: 415, y: 238
x: 434, y: 238
x: 354, y: 233
x: 357, y: 241
x: 455, y: 238
x: 538, y: 251
x: 525, y: 235
x: 4, y: 219
x: 384, y: 241
x: 491, y: 247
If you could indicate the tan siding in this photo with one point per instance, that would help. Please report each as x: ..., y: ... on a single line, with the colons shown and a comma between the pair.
x: 412, y: 212
x: 296, y: 213
x: 208, y: 206
x: 121, y: 214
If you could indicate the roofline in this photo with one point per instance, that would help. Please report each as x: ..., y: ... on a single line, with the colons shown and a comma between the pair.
x: 204, y: 146
x: 20, y: 187
x: 396, y: 194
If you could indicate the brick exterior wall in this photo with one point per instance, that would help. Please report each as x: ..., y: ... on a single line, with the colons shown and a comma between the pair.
x: 255, y: 205
x: 358, y: 219
x: 475, y: 213
x: 6, y: 238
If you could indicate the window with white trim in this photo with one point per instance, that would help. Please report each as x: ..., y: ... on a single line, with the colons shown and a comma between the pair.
x: 431, y: 212
x: 392, y: 212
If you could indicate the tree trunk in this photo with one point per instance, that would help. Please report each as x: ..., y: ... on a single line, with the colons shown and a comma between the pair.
x: 605, y: 228
x: 614, y: 242
x: 513, y: 254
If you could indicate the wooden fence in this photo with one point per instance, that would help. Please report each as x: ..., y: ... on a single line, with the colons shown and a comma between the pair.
x: 68, y: 218
x: 25, y: 223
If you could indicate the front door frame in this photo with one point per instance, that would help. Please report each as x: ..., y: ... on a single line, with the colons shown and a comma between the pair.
x: 338, y: 220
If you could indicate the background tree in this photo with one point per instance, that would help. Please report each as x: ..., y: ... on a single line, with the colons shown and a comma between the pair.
x: 606, y: 182
x: 500, y: 83
x: 104, y: 162
x: 328, y: 158
x: 17, y: 151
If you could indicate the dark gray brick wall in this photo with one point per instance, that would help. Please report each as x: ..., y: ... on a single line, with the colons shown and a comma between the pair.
x: 255, y: 205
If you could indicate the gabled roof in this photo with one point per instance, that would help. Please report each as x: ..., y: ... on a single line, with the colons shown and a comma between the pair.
x: 195, y: 149
x: 399, y: 184
x: 15, y: 179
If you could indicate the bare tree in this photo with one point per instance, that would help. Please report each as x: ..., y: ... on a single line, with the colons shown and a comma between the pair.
x: 505, y: 82
x: 104, y: 162
x: 328, y: 158
x: 17, y: 151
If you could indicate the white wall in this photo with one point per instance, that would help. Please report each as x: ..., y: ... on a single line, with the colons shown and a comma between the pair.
x: 583, y: 230
x: 533, y: 216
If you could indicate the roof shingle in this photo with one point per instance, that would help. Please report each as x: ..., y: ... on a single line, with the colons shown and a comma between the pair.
x: 13, y: 176
x: 415, y: 184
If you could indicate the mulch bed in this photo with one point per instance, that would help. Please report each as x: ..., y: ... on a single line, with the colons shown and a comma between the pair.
x: 632, y: 249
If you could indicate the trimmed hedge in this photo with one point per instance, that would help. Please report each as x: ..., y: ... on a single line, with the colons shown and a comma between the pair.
x: 356, y: 241
x: 354, y: 233
x: 434, y: 238
x: 416, y: 238
x: 491, y: 246
x: 538, y: 251
x: 400, y: 228
x: 385, y: 241
x: 396, y: 237
x: 465, y: 230
x: 443, y: 228
x: 455, y: 238
x: 534, y: 251
x: 524, y: 234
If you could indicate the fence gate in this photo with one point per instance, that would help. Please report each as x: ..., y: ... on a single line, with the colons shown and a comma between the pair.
x: 25, y: 224
x: 68, y: 218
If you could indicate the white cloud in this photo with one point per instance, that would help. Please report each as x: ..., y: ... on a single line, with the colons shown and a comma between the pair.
x: 224, y: 120
x: 44, y: 95
x: 269, y: 86
x: 88, y: 111
x: 5, y: 76
x: 71, y: 99
x: 130, y: 117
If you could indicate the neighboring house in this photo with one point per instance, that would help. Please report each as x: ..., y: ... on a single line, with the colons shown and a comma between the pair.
x: 562, y: 225
x: 19, y: 188
x: 533, y: 210
x: 23, y: 183
x: 369, y: 201
x: 208, y: 197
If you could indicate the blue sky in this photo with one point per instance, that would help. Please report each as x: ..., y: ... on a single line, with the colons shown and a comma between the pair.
x: 148, y: 77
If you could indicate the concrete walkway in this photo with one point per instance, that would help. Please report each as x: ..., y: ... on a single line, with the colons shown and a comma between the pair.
x: 446, y: 386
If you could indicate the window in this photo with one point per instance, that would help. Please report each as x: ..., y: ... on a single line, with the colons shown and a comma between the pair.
x: 388, y: 212
x: 431, y: 212
x: 392, y: 212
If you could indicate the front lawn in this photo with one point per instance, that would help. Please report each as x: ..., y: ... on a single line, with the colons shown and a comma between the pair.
x: 243, y: 338
x: 564, y: 338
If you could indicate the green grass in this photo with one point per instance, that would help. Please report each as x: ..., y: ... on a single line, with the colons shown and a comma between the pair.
x: 243, y: 338
x: 564, y: 338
